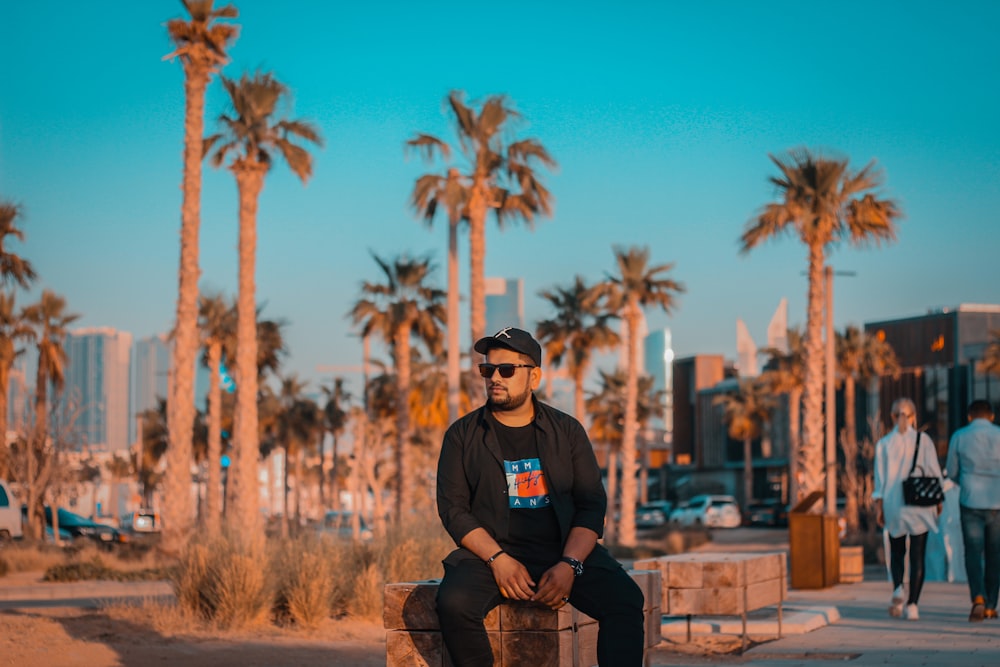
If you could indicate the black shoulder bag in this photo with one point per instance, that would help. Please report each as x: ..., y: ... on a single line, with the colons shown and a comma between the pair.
x: 919, y: 490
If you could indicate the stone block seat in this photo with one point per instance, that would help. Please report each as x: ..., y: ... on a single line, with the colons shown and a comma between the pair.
x: 521, y: 633
x: 720, y: 584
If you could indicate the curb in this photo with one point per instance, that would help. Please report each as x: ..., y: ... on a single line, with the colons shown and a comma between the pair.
x: 795, y: 621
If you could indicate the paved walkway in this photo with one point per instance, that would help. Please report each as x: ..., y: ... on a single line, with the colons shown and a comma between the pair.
x: 850, y: 623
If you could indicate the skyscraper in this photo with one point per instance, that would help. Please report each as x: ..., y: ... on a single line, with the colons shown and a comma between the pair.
x: 504, y: 304
x: 95, y: 400
x: 659, y: 360
x: 150, y: 377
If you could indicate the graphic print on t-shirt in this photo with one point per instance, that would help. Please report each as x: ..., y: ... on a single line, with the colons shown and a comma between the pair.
x: 526, y: 486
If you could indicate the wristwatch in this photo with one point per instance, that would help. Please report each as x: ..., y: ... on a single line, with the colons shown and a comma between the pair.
x: 573, y: 563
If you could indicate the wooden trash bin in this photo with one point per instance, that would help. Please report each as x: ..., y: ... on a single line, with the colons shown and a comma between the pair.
x: 852, y: 564
x: 813, y: 545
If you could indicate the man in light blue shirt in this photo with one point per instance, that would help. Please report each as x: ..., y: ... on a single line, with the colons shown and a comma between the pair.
x: 974, y: 464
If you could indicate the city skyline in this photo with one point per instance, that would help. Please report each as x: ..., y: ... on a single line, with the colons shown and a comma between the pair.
x: 661, y: 118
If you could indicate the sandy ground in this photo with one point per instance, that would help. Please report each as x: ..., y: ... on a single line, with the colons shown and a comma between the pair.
x: 46, y: 637
x: 67, y: 637
x: 142, y: 633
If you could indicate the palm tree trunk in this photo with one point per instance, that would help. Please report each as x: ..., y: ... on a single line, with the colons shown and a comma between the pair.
x: 180, y: 407
x: 477, y: 264
x: 213, y: 509
x: 36, y: 516
x: 611, y: 532
x: 579, y: 403
x: 747, y: 474
x: 626, y: 532
x: 794, y: 444
x: 250, y: 181
x: 334, y: 494
x: 850, y: 447
x: 284, y: 492
x: 813, y: 460
x: 453, y: 352
x: 4, y: 386
x: 401, y: 345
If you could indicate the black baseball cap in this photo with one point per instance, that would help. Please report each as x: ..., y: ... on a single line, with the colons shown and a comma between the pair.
x: 512, y: 339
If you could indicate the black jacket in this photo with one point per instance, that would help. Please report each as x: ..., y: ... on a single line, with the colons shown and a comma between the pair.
x: 472, y: 486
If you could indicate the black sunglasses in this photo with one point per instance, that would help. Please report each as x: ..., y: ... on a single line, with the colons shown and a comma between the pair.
x: 506, y: 370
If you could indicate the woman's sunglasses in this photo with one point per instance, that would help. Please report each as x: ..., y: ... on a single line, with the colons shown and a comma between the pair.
x: 506, y: 370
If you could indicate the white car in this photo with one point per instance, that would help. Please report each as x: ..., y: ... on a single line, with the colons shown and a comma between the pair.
x: 10, y: 514
x: 710, y: 511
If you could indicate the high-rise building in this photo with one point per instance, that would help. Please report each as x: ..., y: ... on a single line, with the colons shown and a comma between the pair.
x: 150, y: 377
x: 777, y: 328
x: 746, y: 351
x: 95, y: 400
x: 18, y: 397
x: 504, y: 303
x: 659, y: 364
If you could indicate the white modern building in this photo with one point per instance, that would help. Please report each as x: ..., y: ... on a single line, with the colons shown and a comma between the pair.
x: 504, y: 303
x: 658, y: 356
x: 95, y: 400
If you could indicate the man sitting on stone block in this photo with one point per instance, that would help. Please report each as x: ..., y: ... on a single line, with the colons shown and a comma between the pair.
x: 520, y: 492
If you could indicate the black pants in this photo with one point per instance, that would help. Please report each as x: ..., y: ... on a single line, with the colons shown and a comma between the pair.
x: 897, y: 553
x: 468, y: 592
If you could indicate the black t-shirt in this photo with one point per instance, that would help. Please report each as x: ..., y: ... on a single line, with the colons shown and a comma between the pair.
x: 534, y: 530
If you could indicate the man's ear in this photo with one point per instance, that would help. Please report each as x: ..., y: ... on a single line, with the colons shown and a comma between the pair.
x: 536, y: 377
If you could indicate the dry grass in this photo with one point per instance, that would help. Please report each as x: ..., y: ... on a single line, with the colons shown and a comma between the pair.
x: 32, y: 557
x: 305, y: 582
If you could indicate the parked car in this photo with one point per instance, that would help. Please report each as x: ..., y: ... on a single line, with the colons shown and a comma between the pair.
x: 80, y: 527
x: 140, y: 521
x: 654, y: 514
x: 770, y: 512
x: 340, y: 524
x: 712, y: 511
x: 10, y: 514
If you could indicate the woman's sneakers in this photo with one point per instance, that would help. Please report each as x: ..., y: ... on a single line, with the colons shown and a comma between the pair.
x: 911, y: 612
x: 896, y: 604
x: 978, y: 609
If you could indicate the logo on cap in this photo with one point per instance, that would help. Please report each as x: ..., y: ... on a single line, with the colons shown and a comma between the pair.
x: 503, y: 332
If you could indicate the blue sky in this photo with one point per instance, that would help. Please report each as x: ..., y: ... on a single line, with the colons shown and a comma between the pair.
x: 660, y: 114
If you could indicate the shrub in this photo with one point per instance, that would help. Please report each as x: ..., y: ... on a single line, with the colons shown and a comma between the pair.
x: 225, y: 581
x: 305, y: 582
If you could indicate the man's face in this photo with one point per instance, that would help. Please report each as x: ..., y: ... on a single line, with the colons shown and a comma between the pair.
x: 504, y: 394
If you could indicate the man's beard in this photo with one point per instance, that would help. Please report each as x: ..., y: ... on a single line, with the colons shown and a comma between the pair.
x: 512, y: 402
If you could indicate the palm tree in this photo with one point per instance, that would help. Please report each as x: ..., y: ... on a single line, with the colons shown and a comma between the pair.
x: 745, y: 413
x: 606, y: 408
x: 154, y: 445
x: 636, y: 286
x: 860, y: 357
x: 823, y: 203
x: 201, y: 46
x: 500, y: 176
x: 50, y: 320
x: 575, y: 332
x: 297, y: 424
x: 13, y: 268
x: 784, y: 375
x: 991, y: 357
x: 217, y: 323
x: 251, y: 137
x: 14, y: 329
x: 398, y: 309
x: 450, y: 192
x: 334, y: 423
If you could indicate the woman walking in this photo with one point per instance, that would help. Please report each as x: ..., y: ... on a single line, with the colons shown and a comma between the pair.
x: 893, y: 460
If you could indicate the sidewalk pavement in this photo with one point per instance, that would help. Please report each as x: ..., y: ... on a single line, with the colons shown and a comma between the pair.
x: 20, y: 590
x: 844, y: 623
x: 850, y: 623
